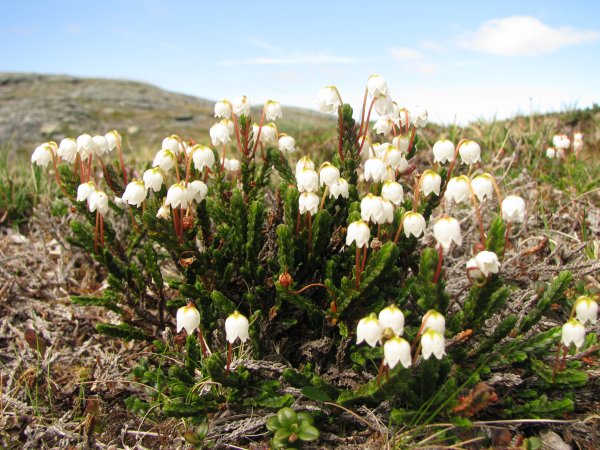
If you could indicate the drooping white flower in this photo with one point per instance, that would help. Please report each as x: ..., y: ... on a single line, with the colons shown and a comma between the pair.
x: 100, y: 145
x: 446, y: 230
x: 198, y: 190
x: 368, y: 330
x: 171, y: 143
x: 223, y: 109
x: 513, y: 209
x: 233, y: 165
x: 483, y: 186
x: 308, y: 202
x: 328, y: 174
x: 586, y: 309
x: 202, y: 156
x: 340, y: 187
x: 419, y: 116
x: 98, y: 200
x: 67, y: 150
x: 371, y: 208
x: 384, y: 105
x: 377, y: 86
x: 397, y: 350
x: 188, y: 317
x: 458, y: 190
x: 43, y: 154
x: 368, y: 149
x: 307, y: 180
x: 237, y: 326
x: 387, y: 212
x: 414, y: 223
x: 241, y: 106
x: 392, y: 317
x: 383, y: 125
x: 393, y: 191
x: 268, y: 133
x: 470, y: 152
x: 272, y: 110
x: 430, y: 182
x: 395, y: 158
x: 550, y: 153
x: 165, y: 159
x: 443, y: 151
x: 135, y: 193
x: 219, y: 134
x: 358, y: 232
x: 573, y: 332
x: 304, y: 163
x: 401, y: 142
x: 432, y: 342
x: 287, y: 144
x: 375, y: 170
x: 164, y: 212
x: 473, y: 270
x: 84, y: 191
x: 433, y: 320
x: 487, y: 262
x: 561, y: 141
x: 113, y: 138
x: 153, y: 179
x: 178, y: 195
x: 328, y: 100
x: 85, y: 146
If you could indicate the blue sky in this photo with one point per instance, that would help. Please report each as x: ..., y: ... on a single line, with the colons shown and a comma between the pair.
x: 461, y: 60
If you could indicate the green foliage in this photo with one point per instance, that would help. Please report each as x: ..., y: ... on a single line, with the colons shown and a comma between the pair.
x: 290, y: 429
x: 552, y: 294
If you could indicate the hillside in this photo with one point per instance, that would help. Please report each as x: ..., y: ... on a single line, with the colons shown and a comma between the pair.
x: 36, y: 108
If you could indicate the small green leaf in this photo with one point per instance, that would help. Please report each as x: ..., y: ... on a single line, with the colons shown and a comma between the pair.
x: 273, y: 423
x: 286, y: 417
x: 315, y: 394
x: 282, y: 434
x: 308, y: 432
x: 305, y: 417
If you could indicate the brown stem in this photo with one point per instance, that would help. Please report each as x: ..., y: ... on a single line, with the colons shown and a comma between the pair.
x: 478, y: 212
x: 357, y: 262
x: 229, y: 354
x: 89, y: 167
x: 400, y: 226
x: 57, y: 177
x: 417, y: 191
x: 366, y: 130
x: 257, y: 137
x: 101, y: 230
x: 323, y: 197
x: 362, y: 114
x: 298, y: 223
x: 438, y: 270
x: 202, y: 342
x: 309, y: 231
x: 412, y: 137
x: 364, y: 259
x: 223, y: 158
x: 237, y: 135
x: 96, y: 231
x: 308, y: 286
x: 453, y: 163
x: 121, y: 162
x: 555, y: 368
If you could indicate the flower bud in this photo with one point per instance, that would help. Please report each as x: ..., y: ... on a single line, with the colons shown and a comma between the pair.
x: 285, y: 279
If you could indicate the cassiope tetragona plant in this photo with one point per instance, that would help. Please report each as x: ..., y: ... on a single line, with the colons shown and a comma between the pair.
x: 231, y: 270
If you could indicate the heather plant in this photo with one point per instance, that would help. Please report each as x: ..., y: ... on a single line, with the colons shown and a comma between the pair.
x: 251, y: 274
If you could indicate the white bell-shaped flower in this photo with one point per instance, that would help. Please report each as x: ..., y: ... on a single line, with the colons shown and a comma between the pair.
x: 384, y: 125
x: 393, y: 191
x: 430, y: 182
x: 470, y: 152
x: 219, y: 134
x: 359, y: 233
x: 164, y: 212
x: 231, y: 164
x: 268, y: 134
x: 446, y: 230
x: 397, y: 350
x: 171, y: 143
x: 113, y: 138
x: 473, y: 270
x: 67, y: 150
x: 84, y: 191
x: 375, y: 170
x: 223, y: 109
x: 237, y: 326
x: 433, y: 320
x: 202, y: 156
x: 419, y: 116
x: 550, y: 153
x: 178, y: 195
x: 414, y: 223
x: 165, y: 159
x: 377, y: 86
x: 308, y: 202
x: 188, y: 317
x: 328, y: 174
x: 513, y: 209
x: 458, y: 190
x: 304, y: 163
x: 487, y: 262
x: 241, y: 106
x: 272, y: 110
x: 392, y: 317
x: 198, y: 190
x: 387, y: 212
x: 287, y: 144
x: 328, y: 100
x: 561, y: 141
x: 401, y: 142
x: 483, y: 186
x: 395, y: 158
x: 573, y: 332
x: 98, y: 200
x: 100, y: 145
x: 135, y: 193
x: 371, y: 208
x: 368, y: 330
x: 307, y: 180
x: 443, y: 151
x: 340, y: 187
x: 433, y: 343
x: 384, y: 105
x: 43, y: 155
x: 586, y: 309
x: 85, y: 146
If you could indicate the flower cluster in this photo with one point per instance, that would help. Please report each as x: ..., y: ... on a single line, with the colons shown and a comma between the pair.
x: 585, y: 309
x: 561, y: 144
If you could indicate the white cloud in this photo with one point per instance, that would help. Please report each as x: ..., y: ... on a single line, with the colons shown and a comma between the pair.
x: 297, y: 59
x: 430, y: 45
x: 414, y: 60
x: 264, y: 45
x: 523, y: 35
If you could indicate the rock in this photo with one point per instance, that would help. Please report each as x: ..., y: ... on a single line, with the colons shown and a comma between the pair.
x: 552, y: 441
